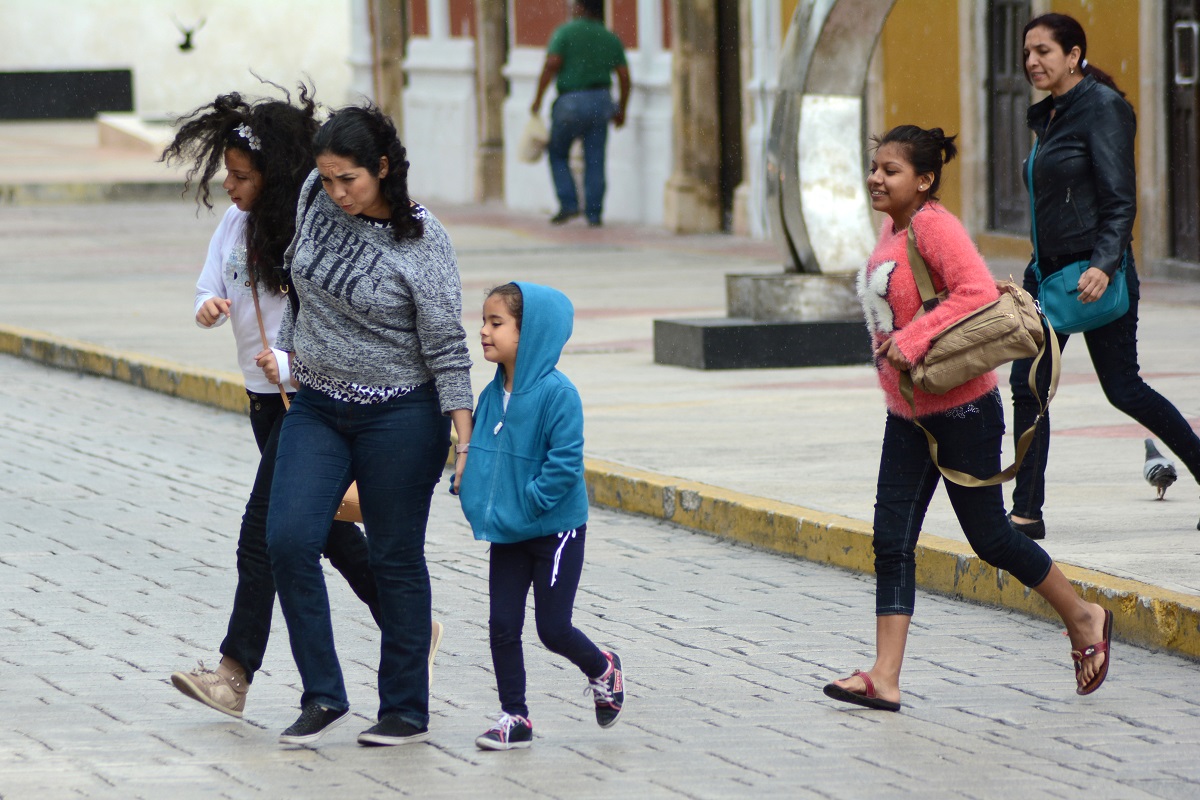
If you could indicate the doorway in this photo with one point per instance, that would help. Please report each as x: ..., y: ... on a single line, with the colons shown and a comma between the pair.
x: 1183, y: 97
x: 729, y: 105
x: 1008, y: 99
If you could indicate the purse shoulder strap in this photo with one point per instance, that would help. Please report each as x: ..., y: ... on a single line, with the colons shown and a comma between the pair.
x: 920, y: 271
x: 1033, y: 206
x: 262, y: 332
x: 1049, y: 344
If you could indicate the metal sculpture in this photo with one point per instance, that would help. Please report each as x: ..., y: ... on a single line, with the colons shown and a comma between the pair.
x: 818, y: 205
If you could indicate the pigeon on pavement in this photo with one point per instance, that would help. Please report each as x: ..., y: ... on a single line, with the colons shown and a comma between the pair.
x: 1158, y: 471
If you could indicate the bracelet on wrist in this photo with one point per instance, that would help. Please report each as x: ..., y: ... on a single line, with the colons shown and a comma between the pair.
x: 461, y: 449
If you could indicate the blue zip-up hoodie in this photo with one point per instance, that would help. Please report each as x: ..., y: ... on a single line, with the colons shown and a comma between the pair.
x: 524, y: 473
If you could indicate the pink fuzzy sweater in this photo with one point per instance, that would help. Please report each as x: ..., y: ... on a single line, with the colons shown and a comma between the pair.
x: 890, y: 299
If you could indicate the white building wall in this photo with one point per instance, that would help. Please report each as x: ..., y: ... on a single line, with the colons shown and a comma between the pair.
x: 440, y: 116
x: 281, y: 40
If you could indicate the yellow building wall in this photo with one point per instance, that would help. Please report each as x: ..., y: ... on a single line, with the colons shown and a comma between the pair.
x: 920, y: 69
x: 786, y: 9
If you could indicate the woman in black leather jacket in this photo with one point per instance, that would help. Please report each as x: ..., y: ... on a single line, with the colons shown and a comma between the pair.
x: 1085, y: 201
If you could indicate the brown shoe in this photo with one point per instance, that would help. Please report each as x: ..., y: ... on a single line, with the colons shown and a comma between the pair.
x: 223, y: 689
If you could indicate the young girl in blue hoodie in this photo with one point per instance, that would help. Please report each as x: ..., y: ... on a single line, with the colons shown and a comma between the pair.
x: 522, y: 490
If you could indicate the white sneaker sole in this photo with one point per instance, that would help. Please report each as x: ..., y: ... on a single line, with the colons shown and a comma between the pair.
x: 390, y: 741
x: 483, y: 743
x: 183, y: 682
x: 313, y: 737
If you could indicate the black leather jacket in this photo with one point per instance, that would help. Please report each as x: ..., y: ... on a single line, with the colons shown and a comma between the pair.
x: 1085, y: 193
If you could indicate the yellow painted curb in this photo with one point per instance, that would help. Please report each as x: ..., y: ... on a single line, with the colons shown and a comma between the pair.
x: 1145, y: 614
x: 224, y: 390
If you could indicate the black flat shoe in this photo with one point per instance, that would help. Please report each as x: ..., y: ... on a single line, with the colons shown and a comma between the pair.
x: 563, y: 216
x: 1035, y: 530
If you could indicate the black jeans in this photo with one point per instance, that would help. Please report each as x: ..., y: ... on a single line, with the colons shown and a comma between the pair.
x: 552, y: 565
x: 254, y: 599
x: 1113, y: 349
x: 969, y: 438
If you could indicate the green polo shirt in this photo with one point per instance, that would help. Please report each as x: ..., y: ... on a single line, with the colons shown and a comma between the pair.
x: 590, y: 52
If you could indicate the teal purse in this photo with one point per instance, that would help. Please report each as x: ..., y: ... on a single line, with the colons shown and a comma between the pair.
x: 1058, y: 293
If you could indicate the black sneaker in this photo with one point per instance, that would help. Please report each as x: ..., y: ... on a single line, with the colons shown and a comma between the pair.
x: 391, y: 730
x: 563, y: 216
x: 609, y: 692
x: 509, y: 733
x: 314, y: 720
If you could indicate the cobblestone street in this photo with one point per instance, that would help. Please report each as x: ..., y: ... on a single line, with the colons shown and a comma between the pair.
x: 118, y: 517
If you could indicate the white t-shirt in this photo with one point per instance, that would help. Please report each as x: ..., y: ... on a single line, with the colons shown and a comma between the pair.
x: 224, y: 276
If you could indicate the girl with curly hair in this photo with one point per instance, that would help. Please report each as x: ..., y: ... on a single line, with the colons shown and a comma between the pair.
x: 266, y: 148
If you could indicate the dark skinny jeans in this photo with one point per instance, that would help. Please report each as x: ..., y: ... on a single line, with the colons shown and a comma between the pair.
x: 254, y: 599
x: 513, y: 569
x: 1113, y: 349
x: 969, y: 438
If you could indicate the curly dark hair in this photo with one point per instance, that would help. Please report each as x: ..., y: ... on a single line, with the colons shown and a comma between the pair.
x: 282, y: 153
x: 366, y: 135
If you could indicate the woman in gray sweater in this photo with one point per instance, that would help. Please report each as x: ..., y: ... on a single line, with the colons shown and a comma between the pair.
x: 375, y: 339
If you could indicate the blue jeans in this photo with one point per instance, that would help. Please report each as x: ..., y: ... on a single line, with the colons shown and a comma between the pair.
x: 396, y: 451
x: 969, y: 440
x: 580, y: 115
x: 1113, y: 349
x: 552, y: 565
x: 254, y: 599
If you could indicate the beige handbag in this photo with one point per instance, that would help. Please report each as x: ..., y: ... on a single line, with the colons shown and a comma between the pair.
x: 348, y: 510
x: 1004, y: 330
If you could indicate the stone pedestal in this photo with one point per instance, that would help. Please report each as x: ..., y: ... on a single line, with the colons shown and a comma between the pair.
x: 779, y: 320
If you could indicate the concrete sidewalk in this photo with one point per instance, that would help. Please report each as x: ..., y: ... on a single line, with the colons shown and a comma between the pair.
x: 780, y: 458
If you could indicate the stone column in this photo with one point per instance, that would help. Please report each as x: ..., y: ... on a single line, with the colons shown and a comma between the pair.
x: 692, y: 202
x: 491, y: 55
x: 388, y: 39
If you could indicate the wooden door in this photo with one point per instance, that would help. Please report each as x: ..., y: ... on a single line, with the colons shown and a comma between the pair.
x: 1183, y: 81
x: 1009, y: 139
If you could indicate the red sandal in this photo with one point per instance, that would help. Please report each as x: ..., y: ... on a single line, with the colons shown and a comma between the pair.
x: 1105, y: 647
x: 867, y: 699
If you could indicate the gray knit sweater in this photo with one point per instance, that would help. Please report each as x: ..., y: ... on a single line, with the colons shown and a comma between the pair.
x: 373, y: 310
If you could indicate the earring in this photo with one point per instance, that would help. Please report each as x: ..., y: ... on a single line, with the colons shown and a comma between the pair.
x: 1072, y: 70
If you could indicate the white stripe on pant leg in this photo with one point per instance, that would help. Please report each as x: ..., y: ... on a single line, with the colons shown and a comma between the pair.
x: 565, y: 536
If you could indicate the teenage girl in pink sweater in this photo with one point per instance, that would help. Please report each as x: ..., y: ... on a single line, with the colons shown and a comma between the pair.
x: 967, y: 421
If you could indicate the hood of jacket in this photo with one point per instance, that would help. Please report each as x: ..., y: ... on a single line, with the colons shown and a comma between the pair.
x: 546, y: 324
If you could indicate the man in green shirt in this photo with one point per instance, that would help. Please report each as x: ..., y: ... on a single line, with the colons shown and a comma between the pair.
x: 582, y: 54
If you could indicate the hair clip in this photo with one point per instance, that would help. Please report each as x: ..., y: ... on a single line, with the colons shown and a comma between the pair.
x: 246, y: 133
